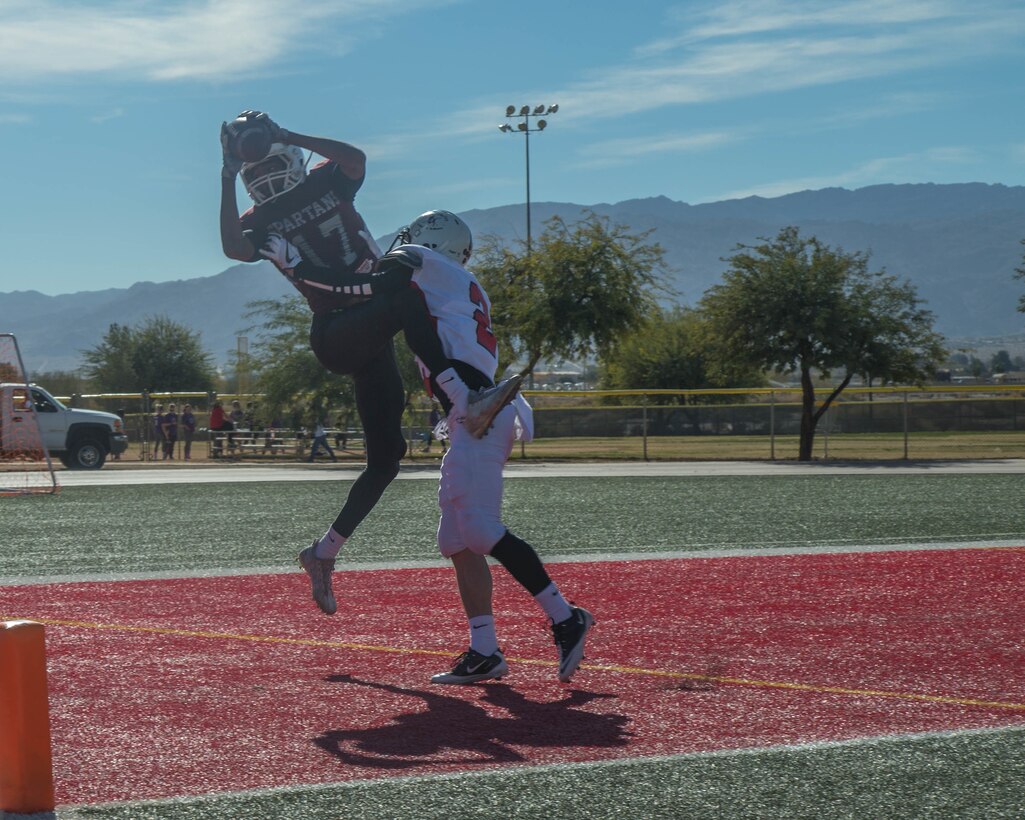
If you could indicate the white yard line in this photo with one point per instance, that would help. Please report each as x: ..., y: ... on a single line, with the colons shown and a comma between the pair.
x: 581, y: 558
x: 302, y: 472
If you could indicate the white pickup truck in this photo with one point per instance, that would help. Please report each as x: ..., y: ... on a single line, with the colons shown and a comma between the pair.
x: 81, y: 439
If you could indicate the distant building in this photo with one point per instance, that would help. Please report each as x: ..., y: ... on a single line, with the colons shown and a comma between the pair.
x: 1011, y: 377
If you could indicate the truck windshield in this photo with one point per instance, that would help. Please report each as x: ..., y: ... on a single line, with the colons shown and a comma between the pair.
x: 44, y: 404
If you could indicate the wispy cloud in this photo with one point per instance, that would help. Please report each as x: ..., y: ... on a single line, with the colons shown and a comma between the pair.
x: 746, y: 48
x: 609, y: 153
x: 15, y: 119
x: 746, y: 18
x: 180, y: 40
x: 107, y: 116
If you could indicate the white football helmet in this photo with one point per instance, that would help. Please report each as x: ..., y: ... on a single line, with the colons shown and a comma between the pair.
x: 444, y: 232
x: 280, y: 171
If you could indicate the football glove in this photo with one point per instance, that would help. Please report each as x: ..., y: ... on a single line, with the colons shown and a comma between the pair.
x: 277, y: 133
x: 231, y: 164
x: 281, y: 252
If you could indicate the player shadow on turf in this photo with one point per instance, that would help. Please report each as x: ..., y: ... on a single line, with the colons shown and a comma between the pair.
x: 453, y: 730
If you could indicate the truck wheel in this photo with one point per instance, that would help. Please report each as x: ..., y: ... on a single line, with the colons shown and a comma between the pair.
x: 86, y: 454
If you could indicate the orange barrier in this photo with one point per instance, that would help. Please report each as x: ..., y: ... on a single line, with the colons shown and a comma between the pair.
x: 26, y: 764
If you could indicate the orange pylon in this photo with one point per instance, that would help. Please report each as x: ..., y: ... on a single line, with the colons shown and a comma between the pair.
x: 26, y: 763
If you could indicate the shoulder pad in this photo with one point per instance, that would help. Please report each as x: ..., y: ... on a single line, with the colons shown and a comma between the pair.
x: 407, y: 255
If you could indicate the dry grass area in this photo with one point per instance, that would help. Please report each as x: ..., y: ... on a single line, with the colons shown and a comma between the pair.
x: 843, y: 447
x: 868, y: 447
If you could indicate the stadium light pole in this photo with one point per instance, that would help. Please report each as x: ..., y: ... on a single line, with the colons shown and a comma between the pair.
x: 525, y: 113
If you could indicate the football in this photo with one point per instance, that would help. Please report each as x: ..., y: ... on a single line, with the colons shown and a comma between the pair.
x: 251, y: 141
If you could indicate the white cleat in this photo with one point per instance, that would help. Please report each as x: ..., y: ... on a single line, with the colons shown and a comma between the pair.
x: 319, y: 570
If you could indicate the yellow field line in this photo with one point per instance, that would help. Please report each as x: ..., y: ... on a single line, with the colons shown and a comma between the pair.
x: 188, y: 633
x: 624, y: 670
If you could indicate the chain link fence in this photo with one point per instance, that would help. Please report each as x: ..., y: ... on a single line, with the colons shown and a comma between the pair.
x: 756, y: 423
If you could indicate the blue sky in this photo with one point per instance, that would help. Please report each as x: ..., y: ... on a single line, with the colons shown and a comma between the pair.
x: 110, y: 111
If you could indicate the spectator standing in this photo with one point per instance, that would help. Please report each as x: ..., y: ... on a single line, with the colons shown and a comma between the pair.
x: 121, y: 415
x: 433, y: 421
x: 217, y: 426
x: 169, y: 426
x: 158, y: 430
x: 188, y: 424
x: 320, y: 441
x: 342, y: 431
x: 237, y: 420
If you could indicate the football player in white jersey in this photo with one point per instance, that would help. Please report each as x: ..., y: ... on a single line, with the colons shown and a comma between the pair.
x: 437, y: 247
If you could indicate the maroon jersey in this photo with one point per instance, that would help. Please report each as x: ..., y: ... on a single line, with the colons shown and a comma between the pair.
x: 319, y: 218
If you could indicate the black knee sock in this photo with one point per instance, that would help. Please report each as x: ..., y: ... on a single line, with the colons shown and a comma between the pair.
x: 522, y: 562
x: 364, y: 494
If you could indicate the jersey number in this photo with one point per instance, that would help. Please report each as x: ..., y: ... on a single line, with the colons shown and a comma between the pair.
x: 328, y: 227
x: 485, y: 338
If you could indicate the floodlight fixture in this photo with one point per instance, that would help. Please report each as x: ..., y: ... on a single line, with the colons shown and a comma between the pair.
x: 526, y: 112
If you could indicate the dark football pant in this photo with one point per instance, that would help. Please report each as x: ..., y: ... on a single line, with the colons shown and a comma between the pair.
x: 357, y: 342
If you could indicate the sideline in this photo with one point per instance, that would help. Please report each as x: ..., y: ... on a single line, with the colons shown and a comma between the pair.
x: 625, y: 469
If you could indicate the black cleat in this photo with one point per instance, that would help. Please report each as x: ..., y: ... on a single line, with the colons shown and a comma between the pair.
x: 569, y: 638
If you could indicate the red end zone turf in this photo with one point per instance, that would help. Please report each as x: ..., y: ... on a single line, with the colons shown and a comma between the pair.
x: 177, y: 687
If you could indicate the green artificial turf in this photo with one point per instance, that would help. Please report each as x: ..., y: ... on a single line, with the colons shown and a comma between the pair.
x: 197, y: 527
x: 972, y: 775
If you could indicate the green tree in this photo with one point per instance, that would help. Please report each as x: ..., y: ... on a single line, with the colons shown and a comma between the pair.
x: 796, y: 305
x: 977, y: 367
x: 581, y: 289
x: 1001, y: 362
x: 285, y: 370
x: 670, y: 350
x: 157, y: 355
x: 109, y: 364
x: 62, y: 382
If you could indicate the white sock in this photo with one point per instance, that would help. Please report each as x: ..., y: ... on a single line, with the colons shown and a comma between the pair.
x: 555, y: 606
x: 456, y: 390
x: 483, y: 638
x: 329, y: 545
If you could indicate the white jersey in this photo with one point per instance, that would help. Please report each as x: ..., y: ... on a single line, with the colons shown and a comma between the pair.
x: 460, y: 308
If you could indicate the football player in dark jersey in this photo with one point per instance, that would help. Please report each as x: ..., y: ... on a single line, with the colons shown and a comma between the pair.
x: 351, y: 334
